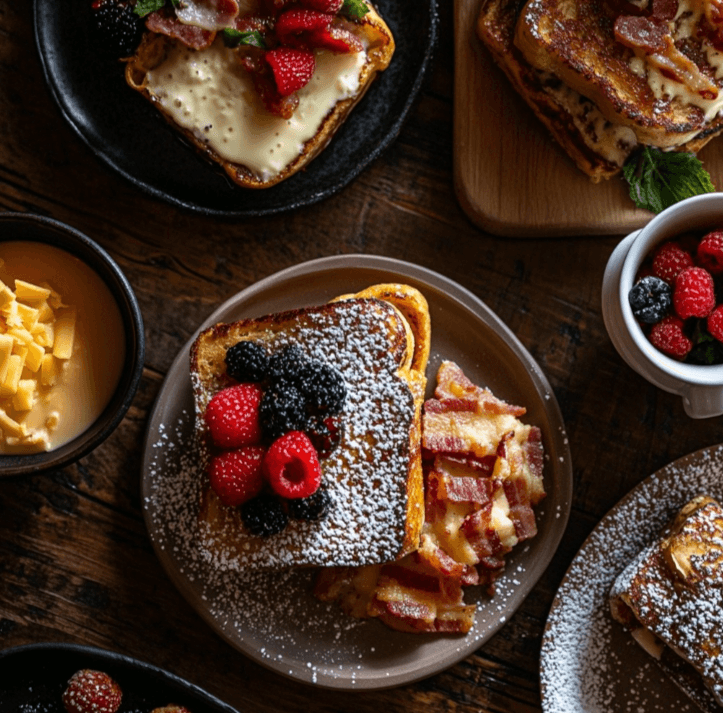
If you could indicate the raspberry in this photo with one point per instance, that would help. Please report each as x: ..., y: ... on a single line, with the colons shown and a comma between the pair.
x: 237, y: 476
x: 292, y: 68
x: 323, y: 387
x: 650, y: 299
x: 710, y: 252
x: 670, y: 260
x: 668, y: 336
x: 232, y: 416
x: 91, y: 692
x: 693, y: 295
x: 293, y: 23
x: 335, y: 39
x: 283, y: 409
x: 313, y: 508
x: 292, y: 466
x: 264, y: 515
x: 715, y: 323
x: 247, y: 361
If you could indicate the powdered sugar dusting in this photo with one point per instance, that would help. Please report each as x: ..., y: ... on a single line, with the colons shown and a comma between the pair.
x: 589, y: 663
x: 366, y: 475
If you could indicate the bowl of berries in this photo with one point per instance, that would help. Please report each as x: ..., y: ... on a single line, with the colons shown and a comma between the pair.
x: 662, y: 301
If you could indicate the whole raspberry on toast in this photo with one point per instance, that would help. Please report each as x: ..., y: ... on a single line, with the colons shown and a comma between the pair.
x: 341, y: 391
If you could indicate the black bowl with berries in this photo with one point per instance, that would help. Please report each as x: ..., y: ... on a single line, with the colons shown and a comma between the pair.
x: 662, y: 302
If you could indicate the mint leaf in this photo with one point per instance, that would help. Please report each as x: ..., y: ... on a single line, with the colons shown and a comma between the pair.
x: 234, y: 38
x: 146, y: 7
x: 658, y: 179
x: 354, y: 9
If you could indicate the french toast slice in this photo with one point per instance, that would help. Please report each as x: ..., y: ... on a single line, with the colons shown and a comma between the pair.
x: 668, y: 95
x: 373, y: 476
x: 598, y: 147
x: 210, y: 99
x: 671, y: 596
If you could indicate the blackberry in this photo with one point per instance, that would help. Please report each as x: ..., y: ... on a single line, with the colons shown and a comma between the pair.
x: 119, y: 29
x: 247, y: 361
x: 264, y: 515
x: 313, y: 508
x: 285, y: 364
x: 323, y: 386
x: 325, y: 434
x: 282, y: 409
x: 650, y: 299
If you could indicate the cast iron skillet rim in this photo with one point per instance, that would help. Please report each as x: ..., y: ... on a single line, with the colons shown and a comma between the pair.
x: 120, y: 659
x: 313, y: 197
x: 12, y: 465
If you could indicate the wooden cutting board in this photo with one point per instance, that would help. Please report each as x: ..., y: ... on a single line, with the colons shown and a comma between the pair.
x: 511, y: 178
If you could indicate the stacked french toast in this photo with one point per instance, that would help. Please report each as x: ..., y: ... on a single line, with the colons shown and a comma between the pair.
x: 319, y: 449
x: 609, y: 78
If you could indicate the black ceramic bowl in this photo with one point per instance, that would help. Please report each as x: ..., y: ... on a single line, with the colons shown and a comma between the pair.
x: 33, y: 678
x: 23, y: 226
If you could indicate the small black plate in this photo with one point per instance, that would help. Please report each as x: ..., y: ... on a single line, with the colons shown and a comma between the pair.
x: 129, y: 135
x: 33, y: 678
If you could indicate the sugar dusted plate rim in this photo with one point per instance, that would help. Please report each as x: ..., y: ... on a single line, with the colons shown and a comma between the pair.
x: 331, y: 650
x: 588, y: 663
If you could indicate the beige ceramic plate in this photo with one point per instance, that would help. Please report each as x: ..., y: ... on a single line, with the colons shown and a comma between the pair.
x: 589, y: 664
x: 273, y: 618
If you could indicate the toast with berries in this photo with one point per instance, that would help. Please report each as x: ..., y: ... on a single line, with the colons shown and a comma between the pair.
x: 310, y: 423
x: 263, y: 96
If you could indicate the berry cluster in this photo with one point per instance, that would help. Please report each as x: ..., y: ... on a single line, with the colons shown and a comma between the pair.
x: 90, y: 691
x: 677, y: 298
x: 269, y: 431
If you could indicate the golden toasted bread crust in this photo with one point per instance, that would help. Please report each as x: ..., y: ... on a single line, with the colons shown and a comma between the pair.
x: 576, y: 42
x: 373, y: 476
x: 572, y: 120
x: 372, y: 28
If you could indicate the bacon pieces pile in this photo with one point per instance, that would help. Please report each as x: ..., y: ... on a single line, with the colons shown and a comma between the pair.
x: 483, y: 475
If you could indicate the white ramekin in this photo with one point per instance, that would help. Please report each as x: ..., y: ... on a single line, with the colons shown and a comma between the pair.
x: 701, y: 387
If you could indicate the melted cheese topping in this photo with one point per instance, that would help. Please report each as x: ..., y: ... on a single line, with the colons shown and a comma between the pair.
x: 685, y: 25
x: 208, y: 93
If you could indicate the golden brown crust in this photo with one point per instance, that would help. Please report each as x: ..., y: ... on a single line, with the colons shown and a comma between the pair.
x: 317, y: 331
x: 372, y: 27
x: 576, y: 42
x: 495, y: 27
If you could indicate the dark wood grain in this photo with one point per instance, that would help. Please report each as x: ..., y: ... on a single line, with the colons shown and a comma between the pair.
x: 76, y: 564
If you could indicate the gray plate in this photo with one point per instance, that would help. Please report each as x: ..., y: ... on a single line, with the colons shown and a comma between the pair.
x: 273, y: 618
x: 589, y: 663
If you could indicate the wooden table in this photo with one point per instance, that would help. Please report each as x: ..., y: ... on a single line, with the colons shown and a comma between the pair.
x: 76, y: 564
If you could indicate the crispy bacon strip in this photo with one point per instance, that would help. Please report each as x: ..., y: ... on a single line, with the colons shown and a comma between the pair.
x: 165, y: 22
x: 209, y: 15
x: 650, y: 37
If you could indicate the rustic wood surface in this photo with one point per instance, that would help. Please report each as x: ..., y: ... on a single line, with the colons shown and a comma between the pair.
x: 76, y: 564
